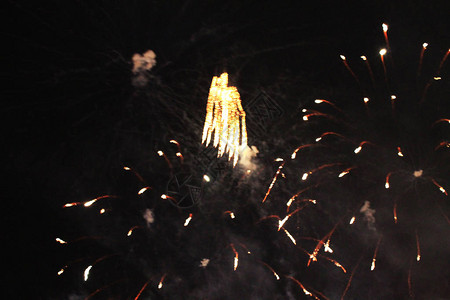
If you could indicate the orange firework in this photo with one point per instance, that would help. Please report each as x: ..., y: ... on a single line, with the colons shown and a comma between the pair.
x: 226, y: 118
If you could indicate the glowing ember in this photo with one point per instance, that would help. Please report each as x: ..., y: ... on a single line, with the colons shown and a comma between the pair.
x: 160, y: 284
x: 141, y: 191
x: 226, y: 118
x: 61, y: 241
x: 352, y: 220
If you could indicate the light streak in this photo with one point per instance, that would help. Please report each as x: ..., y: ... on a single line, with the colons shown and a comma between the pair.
x: 61, y: 241
x: 372, y: 267
x: 226, y: 118
x: 382, y: 53
x: 294, y: 154
x: 424, y: 46
x: 86, y: 273
x: 344, y: 60
x: 273, y: 181
x: 188, y: 219
x: 142, y: 289
x: 236, y: 257
x: 290, y: 236
x: 88, y: 203
x: 359, y: 148
x: 271, y: 269
x: 385, y: 30
x: 160, y: 284
x: 305, y: 291
x: 386, y: 183
x: 141, y: 191
x: 130, y: 232
x: 369, y: 68
x: 418, y: 247
x: 440, y: 187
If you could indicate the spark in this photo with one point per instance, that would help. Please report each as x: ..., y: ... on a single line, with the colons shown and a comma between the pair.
x: 273, y: 181
x: 142, y: 289
x: 386, y: 184
x: 281, y: 222
x: 305, y: 291
x: 327, y: 247
x: 186, y: 222
x: 206, y: 178
x: 366, y: 100
x: 272, y: 270
x: 345, y: 172
x: 350, y: 279
x: 141, y: 191
x: 399, y: 152
x: 418, y: 247
x: 294, y: 154
x: 236, y: 257
x: 372, y: 267
x: 160, y: 284
x: 130, y: 232
x: 369, y: 68
x: 385, y: 30
x: 424, y: 46
x: 86, y: 272
x: 226, y: 118
x: 352, y: 220
x: 290, y: 236
x: 440, y: 187
x: 61, y: 241
x: 88, y: 203
x: 61, y: 270
x: 344, y: 60
x: 395, y: 212
x: 442, y: 62
x: 382, y: 53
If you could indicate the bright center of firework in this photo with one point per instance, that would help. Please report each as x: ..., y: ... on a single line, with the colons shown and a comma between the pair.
x: 226, y: 118
x: 418, y: 173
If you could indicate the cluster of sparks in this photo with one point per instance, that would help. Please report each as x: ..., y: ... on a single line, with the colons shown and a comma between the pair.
x: 225, y: 119
x: 225, y: 127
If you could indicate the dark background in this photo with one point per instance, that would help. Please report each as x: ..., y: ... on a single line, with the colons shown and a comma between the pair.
x: 72, y: 117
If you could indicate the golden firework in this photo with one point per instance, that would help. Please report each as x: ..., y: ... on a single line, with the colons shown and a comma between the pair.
x: 226, y: 118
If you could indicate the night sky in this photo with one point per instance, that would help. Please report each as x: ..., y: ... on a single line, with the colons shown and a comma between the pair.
x: 75, y: 114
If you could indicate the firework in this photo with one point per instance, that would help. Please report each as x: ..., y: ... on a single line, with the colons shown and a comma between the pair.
x: 225, y: 117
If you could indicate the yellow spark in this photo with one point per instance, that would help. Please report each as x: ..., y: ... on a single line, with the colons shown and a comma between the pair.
x: 206, y: 178
x: 160, y: 284
x: 327, y: 247
x: 126, y: 168
x: 89, y: 203
x: 61, y: 271
x: 163, y: 196
x: 385, y: 27
x: 305, y: 176
x: 226, y: 118
x: 232, y: 215
x: 102, y: 211
x: 342, y: 57
x: 357, y: 150
x: 352, y: 220
x: 318, y: 101
x: 383, y: 52
x: 437, y: 78
x: 425, y: 45
x: 366, y: 99
x: 363, y: 57
x: 399, y: 152
x: 393, y: 97
x: 174, y: 142
x: 160, y: 153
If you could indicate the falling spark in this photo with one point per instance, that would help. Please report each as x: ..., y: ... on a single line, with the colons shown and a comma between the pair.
x: 88, y: 203
x: 186, y: 223
x: 236, y: 257
x: 350, y: 279
x: 440, y: 187
x: 442, y: 62
x: 382, y: 53
x: 290, y: 236
x: 305, y: 291
x: 61, y: 271
x: 418, y: 247
x: 130, y: 232
x: 372, y: 267
x: 359, y: 148
x: 273, y: 181
x: 386, y: 184
x: 142, y: 289
x: 385, y: 30
x: 160, y: 284
x: 344, y: 60
x: 366, y: 100
x: 395, y: 212
x: 369, y: 68
x: 399, y: 152
x: 345, y: 172
x: 226, y: 118
x: 352, y: 220
x: 206, y: 178
x: 230, y: 213
x: 61, y: 241
x: 141, y: 191
x: 327, y: 247
x: 86, y: 272
x: 294, y: 154
x: 424, y: 46
x: 272, y: 270
x: 161, y: 153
